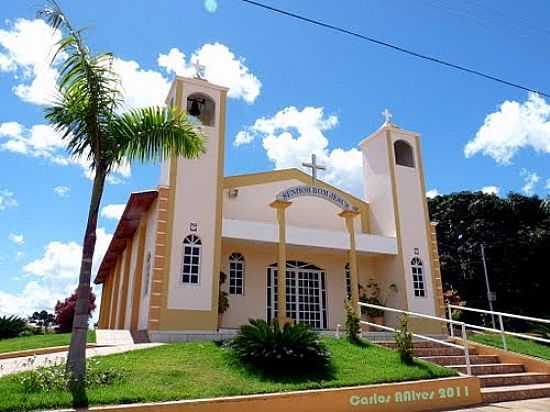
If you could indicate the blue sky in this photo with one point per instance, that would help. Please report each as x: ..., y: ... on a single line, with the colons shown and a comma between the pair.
x: 313, y: 91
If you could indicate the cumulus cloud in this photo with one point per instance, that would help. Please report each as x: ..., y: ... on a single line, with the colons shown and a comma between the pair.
x: 490, y: 190
x: 53, y: 276
x: 514, y: 126
x: 7, y: 199
x: 292, y: 135
x: 42, y: 141
x: 113, y: 211
x: 430, y: 194
x: 62, y: 191
x: 530, y: 180
x: 26, y: 50
x: 221, y: 67
x: 547, y: 185
x: 16, y: 238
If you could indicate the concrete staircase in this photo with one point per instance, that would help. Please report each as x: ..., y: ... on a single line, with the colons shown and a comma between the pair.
x: 499, y: 381
x: 140, y: 336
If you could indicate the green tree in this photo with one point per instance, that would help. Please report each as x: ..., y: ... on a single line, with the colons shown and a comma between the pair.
x: 89, y: 116
x: 515, y: 231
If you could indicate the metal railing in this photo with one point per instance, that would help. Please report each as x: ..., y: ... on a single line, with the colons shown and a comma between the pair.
x: 501, y: 330
x: 452, y: 322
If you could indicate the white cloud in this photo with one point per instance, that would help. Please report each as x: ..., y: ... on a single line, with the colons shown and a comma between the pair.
x: 26, y: 50
x: 221, y: 67
x: 113, y: 211
x: 7, y: 199
x: 16, y: 238
x: 530, y: 180
x: 490, y: 190
x: 430, y: 194
x: 54, y: 276
x: 140, y: 87
x: 547, y: 185
x: 513, y: 127
x: 42, y: 141
x: 292, y: 135
x: 62, y: 191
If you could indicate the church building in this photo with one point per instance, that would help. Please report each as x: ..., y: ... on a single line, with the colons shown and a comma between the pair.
x: 161, y: 272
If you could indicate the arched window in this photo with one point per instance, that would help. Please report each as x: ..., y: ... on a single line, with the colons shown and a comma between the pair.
x: 236, y: 274
x: 191, y: 260
x: 404, y: 154
x: 348, y: 281
x: 201, y: 107
x: 417, y: 269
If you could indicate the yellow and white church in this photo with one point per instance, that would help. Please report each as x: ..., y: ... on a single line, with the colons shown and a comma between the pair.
x: 160, y: 274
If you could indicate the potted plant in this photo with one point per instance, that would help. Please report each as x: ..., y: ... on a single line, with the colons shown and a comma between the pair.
x: 223, y: 300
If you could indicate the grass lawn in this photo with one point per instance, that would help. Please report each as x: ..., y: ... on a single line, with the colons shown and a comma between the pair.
x: 39, y: 341
x: 518, y: 345
x: 204, y: 369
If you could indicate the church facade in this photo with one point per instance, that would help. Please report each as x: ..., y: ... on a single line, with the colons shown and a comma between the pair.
x: 161, y: 273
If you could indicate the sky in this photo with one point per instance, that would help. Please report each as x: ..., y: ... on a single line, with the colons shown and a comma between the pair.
x: 295, y: 89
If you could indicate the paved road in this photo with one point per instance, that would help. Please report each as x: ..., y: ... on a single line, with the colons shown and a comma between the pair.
x: 14, y: 365
x: 530, y: 405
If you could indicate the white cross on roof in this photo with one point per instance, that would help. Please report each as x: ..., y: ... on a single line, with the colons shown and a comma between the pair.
x: 387, y: 116
x: 199, y: 69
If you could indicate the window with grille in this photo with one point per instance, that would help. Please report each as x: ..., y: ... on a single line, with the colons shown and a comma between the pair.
x: 191, y: 260
x: 417, y: 269
x: 236, y: 274
x: 147, y: 274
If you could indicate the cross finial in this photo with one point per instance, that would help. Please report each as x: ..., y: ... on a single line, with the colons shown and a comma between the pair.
x: 199, y: 69
x: 387, y: 116
x: 314, y: 166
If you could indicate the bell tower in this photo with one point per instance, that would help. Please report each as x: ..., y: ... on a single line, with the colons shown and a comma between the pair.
x: 194, y: 218
x: 395, y: 190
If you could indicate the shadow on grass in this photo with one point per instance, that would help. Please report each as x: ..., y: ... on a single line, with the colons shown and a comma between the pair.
x: 284, y: 373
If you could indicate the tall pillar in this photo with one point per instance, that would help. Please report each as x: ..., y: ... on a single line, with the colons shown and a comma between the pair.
x: 349, y: 215
x: 280, y: 206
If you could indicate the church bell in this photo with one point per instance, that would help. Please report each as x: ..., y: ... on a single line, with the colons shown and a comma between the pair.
x: 195, y: 109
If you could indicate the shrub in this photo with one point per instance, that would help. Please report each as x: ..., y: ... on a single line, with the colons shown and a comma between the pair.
x: 272, y: 348
x: 403, y: 339
x: 11, y: 326
x: 64, y: 312
x: 53, y: 377
x: 353, y: 327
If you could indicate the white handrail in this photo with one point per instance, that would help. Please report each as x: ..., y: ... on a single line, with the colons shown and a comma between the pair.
x: 508, y: 315
x: 424, y: 316
x: 500, y: 315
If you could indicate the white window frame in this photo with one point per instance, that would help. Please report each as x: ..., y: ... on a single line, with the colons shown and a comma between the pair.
x: 194, y: 243
x: 237, y: 271
x: 418, y: 277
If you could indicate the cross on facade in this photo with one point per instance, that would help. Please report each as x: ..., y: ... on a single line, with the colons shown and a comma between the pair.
x: 199, y: 69
x: 314, y: 166
x: 387, y: 116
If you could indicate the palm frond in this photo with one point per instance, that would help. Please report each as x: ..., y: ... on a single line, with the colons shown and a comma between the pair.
x: 155, y: 133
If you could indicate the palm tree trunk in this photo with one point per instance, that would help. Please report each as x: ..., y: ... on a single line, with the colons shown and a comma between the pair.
x: 76, y: 361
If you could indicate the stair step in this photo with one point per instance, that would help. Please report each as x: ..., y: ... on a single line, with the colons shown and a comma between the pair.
x: 444, y: 351
x: 515, y: 392
x: 461, y: 360
x: 491, y: 369
x: 507, y: 379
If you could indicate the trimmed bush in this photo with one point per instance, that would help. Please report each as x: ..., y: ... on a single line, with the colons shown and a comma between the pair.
x: 11, y: 326
x: 353, y: 325
x: 64, y: 312
x: 273, y: 348
x: 403, y: 339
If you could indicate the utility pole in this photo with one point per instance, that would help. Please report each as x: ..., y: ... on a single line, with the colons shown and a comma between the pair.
x: 490, y: 295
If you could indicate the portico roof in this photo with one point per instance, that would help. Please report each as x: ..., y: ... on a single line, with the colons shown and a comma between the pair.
x: 138, y: 204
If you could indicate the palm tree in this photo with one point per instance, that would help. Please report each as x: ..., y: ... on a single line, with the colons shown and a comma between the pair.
x: 88, y: 113
x: 545, y: 205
